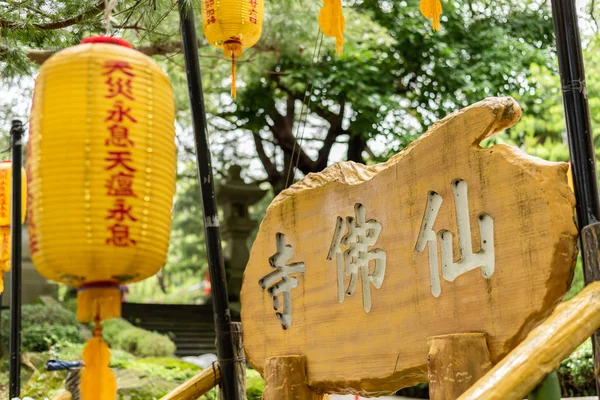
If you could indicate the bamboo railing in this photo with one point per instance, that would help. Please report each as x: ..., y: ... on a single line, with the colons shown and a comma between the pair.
x: 545, y: 347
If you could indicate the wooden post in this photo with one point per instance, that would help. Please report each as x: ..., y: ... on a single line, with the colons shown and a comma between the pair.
x: 590, y: 243
x: 240, y: 360
x: 455, y: 363
x: 285, y: 379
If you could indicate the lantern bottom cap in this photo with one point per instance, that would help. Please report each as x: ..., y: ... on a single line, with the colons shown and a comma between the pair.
x: 98, y: 302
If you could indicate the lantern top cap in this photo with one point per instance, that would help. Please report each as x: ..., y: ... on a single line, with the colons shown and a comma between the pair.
x: 6, y: 161
x: 108, y: 40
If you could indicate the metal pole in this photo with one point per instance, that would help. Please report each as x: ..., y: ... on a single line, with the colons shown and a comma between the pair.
x: 581, y: 145
x: 16, y: 135
x: 216, y: 266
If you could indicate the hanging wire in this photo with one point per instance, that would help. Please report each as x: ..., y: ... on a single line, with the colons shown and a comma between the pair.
x: 299, y: 136
x: 109, y: 6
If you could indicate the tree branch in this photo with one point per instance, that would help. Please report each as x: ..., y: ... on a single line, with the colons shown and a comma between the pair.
x: 90, y: 12
x: 270, y: 167
x: 154, y: 49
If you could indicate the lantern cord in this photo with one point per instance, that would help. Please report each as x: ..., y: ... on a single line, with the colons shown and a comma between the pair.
x: 304, y: 110
x: 109, y: 6
x: 233, y: 78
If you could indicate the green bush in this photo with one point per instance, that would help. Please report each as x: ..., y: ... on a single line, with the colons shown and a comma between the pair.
x: 255, y: 385
x: 576, y: 372
x: 120, y: 334
x: 43, y: 326
x: 166, y: 367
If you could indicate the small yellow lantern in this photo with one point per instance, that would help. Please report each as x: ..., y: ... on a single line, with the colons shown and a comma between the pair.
x: 101, y: 161
x: 232, y: 25
x: 5, y: 195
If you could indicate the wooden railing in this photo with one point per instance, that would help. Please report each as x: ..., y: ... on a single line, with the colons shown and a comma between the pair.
x: 522, y: 369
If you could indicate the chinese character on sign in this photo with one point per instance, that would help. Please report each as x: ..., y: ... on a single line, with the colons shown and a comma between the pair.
x: 279, y: 281
x: 355, y: 259
x: 468, y: 260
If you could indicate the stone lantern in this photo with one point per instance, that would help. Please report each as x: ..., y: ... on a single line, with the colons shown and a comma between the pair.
x: 235, y: 197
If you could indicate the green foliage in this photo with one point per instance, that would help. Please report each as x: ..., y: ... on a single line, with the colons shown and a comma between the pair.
x: 167, y: 367
x: 43, y: 326
x: 577, y: 284
x: 577, y: 372
x: 255, y: 385
x: 120, y: 334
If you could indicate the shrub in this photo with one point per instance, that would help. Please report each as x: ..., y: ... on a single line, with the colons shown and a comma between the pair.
x: 576, y: 372
x: 43, y: 326
x: 255, y: 385
x: 166, y: 367
x: 120, y: 334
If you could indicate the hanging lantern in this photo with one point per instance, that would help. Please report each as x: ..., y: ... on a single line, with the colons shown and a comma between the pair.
x: 5, y: 193
x: 232, y: 25
x: 432, y: 9
x: 101, y: 163
x: 333, y: 23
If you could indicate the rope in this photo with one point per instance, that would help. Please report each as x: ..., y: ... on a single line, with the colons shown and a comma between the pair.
x: 109, y: 6
x: 299, y: 137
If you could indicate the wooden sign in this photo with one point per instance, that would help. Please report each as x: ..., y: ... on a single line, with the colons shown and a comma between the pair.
x: 355, y: 267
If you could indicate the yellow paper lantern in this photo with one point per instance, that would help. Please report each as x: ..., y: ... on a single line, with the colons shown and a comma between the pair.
x: 101, y: 163
x: 5, y: 196
x: 232, y: 25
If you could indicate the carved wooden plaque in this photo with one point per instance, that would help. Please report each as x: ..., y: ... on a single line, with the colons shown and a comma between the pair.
x: 355, y: 267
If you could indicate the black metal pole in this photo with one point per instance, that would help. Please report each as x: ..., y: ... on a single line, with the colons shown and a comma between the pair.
x: 577, y: 113
x: 216, y: 266
x: 16, y: 136
x: 581, y: 145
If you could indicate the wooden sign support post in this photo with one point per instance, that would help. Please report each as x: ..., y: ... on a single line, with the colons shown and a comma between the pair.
x: 456, y: 362
x: 286, y: 379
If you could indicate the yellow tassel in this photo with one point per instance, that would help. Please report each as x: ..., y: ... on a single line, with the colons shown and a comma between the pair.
x: 104, y: 301
x: 432, y: 9
x: 233, y: 78
x: 333, y: 23
x: 4, y: 253
x: 97, y: 380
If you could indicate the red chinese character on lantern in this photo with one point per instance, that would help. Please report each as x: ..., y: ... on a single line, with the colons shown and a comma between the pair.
x: 210, y: 12
x: 119, y: 236
x: 253, y: 20
x: 118, y: 113
x: 120, y: 184
x: 118, y: 87
x: 119, y: 136
x: 120, y: 211
x: 121, y: 158
x: 209, y: 3
x: 122, y: 66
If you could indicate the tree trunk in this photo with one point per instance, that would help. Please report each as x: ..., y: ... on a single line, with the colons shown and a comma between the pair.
x: 356, y: 146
